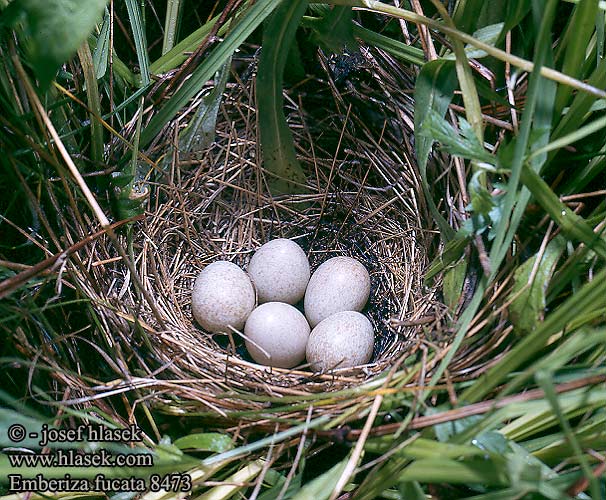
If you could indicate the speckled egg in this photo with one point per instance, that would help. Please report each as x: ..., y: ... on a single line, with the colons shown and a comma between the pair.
x: 276, y: 335
x: 223, y: 295
x: 339, y: 284
x: 280, y: 271
x: 342, y: 340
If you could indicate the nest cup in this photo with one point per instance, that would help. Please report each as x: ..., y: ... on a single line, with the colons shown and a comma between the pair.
x: 363, y: 202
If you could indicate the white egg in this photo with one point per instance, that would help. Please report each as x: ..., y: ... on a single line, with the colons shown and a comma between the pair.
x: 276, y: 335
x: 280, y: 271
x: 223, y: 296
x: 342, y: 340
x: 339, y: 284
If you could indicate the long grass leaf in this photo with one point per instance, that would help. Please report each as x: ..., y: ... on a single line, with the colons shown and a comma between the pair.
x: 544, y: 379
x: 94, y: 102
x: 171, y: 25
x: 590, y: 297
x: 136, y: 21
x: 277, y: 143
x: 576, y: 38
x: 250, y: 20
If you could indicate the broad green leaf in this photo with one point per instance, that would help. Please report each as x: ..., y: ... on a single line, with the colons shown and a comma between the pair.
x: 249, y: 21
x: 277, y: 143
x: 208, y: 441
x: 55, y: 29
x: 277, y: 482
x: 434, y: 90
x: 335, y: 31
x: 444, y: 432
x: 411, y: 490
x: 528, y: 297
x: 497, y: 443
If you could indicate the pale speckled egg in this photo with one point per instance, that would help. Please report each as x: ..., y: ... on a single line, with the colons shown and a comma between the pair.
x: 276, y: 335
x: 342, y: 340
x: 339, y: 284
x: 280, y: 271
x: 223, y: 296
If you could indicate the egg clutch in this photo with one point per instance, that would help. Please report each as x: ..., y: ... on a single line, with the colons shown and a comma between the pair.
x: 331, y: 334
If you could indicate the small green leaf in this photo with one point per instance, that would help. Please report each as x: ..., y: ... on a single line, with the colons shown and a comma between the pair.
x: 101, y: 52
x: 55, y: 29
x: 528, y: 304
x: 454, y: 279
x: 464, y: 143
x: 207, y: 441
x: 488, y: 34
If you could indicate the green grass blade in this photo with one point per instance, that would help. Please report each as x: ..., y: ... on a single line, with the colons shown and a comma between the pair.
x: 396, y: 48
x: 200, y: 132
x: 178, y: 53
x: 576, y: 40
x: 94, y: 102
x: 136, y: 22
x: 101, y: 52
x: 544, y: 379
x: 250, y: 20
x: 571, y: 138
x: 277, y: 143
x: 433, y: 92
x: 590, y: 297
x: 573, y: 225
x: 506, y: 228
x: 171, y: 25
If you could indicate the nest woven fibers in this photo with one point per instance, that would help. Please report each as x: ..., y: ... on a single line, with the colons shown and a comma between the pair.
x: 364, y: 201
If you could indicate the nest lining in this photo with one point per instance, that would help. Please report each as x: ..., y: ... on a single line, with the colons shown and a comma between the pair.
x: 363, y: 202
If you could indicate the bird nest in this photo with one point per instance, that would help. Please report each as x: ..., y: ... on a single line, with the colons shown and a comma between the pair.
x: 364, y: 201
